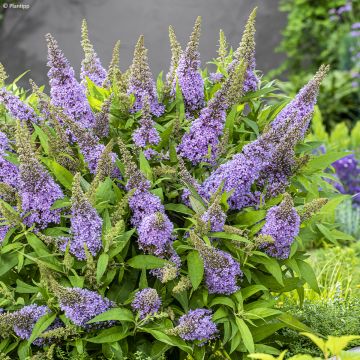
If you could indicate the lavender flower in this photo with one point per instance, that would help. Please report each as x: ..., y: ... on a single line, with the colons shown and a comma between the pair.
x: 155, y: 233
x: 188, y: 72
x: 17, y: 108
x: 282, y: 224
x: 37, y: 189
x: 237, y: 175
x: 86, y: 224
x: 303, y: 104
x: 88, y: 143
x: 355, y: 26
x: 3, y: 231
x: 196, y: 325
x: 270, y: 159
x: 146, y: 134
x: 215, y: 77
x: 91, y: 66
x: 201, y: 142
x: 221, y: 271
x: 215, y: 217
x: 66, y: 92
x: 82, y: 305
x: 25, y: 319
x: 143, y: 204
x: 246, y: 52
x: 141, y: 83
x: 146, y: 302
x: 348, y: 171
x: 8, y: 171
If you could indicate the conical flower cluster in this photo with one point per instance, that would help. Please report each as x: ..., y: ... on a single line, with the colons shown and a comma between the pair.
x: 8, y: 171
x: 201, y: 143
x: 196, y: 325
x: 146, y: 302
x: 66, y: 92
x: 37, y: 189
x: 141, y: 83
x: 267, y: 161
x: 90, y: 66
x: 17, y: 109
x: 282, y: 224
x: 246, y: 53
x: 86, y: 224
x: 188, y: 72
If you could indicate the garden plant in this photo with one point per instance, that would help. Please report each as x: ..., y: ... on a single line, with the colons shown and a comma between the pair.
x: 148, y: 219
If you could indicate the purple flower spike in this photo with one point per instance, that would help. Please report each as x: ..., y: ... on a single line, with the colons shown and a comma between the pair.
x: 282, y: 224
x: 146, y: 302
x: 141, y: 83
x: 86, y: 224
x: 91, y: 66
x: 155, y: 233
x: 25, y: 319
x: 188, y: 72
x: 66, y: 92
x: 16, y: 108
x: 82, y: 305
x: 196, y: 325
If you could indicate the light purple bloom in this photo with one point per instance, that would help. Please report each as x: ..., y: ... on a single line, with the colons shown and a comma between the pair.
x: 91, y: 65
x: 155, y: 233
x: 146, y: 134
x: 221, y: 271
x: 188, y: 73
x: 38, y: 192
x: 82, y: 305
x: 66, y: 92
x: 25, y: 319
x: 215, y: 217
x: 142, y: 204
x: 86, y: 225
x: 282, y: 224
x: 3, y: 231
x: 196, y: 325
x: 9, y: 173
x: 17, y: 108
x: 146, y: 302
x: 216, y: 77
x: 141, y: 83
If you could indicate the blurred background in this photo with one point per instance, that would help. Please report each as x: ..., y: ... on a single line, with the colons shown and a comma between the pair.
x: 22, y: 44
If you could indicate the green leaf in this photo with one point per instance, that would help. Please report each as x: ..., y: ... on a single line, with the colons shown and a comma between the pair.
x: 64, y: 176
x: 41, y: 325
x: 111, y: 335
x: 251, y: 290
x: 119, y: 314
x: 146, y: 262
x: 145, y: 167
x: 294, y: 323
x: 101, y: 266
x: 323, y: 161
x: 307, y: 273
x: 44, y: 140
x: 170, y: 340
x: 180, y: 208
x: 273, y: 267
x: 245, y: 335
x: 195, y: 268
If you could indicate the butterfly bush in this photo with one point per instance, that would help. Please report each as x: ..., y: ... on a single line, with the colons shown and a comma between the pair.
x: 143, y: 216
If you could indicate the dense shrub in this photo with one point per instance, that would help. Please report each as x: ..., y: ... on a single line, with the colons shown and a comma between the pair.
x: 156, y: 221
x: 332, y: 318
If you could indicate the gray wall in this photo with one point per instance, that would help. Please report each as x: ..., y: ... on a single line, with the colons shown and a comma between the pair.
x: 22, y: 44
